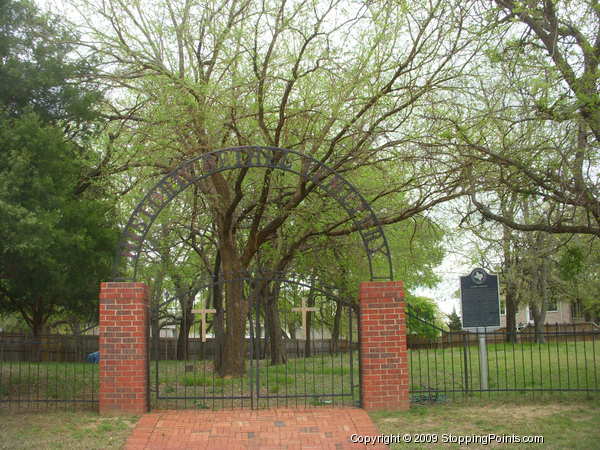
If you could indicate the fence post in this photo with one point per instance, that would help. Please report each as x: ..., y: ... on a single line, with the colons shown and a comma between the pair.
x: 465, y: 360
x: 483, y: 360
x: 124, y: 333
x: 384, y: 381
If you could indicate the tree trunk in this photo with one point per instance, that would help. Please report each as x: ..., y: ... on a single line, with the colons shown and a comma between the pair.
x: 276, y: 343
x: 185, y: 324
x: 539, y: 308
x: 219, y: 328
x: 265, y: 349
x: 234, y: 346
x: 219, y: 317
x: 511, y: 313
x: 539, y: 317
x: 155, y: 315
x: 155, y: 344
x: 37, y: 326
x: 335, y: 331
x: 307, y: 342
x: 510, y: 298
x: 38, y: 322
x: 257, y: 302
x: 292, y: 331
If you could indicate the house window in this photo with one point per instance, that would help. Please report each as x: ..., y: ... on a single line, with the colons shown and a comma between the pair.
x: 577, y: 310
x: 552, y: 305
x: 502, y: 308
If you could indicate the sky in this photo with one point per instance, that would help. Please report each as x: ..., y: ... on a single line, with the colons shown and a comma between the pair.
x: 443, y: 294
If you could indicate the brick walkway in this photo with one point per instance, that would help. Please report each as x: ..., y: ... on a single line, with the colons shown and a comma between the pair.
x: 317, y: 428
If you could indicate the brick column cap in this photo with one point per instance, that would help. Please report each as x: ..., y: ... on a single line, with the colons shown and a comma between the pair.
x: 122, y: 284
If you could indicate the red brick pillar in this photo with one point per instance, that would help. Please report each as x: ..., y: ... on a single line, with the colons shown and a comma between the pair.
x: 383, y: 352
x: 123, y: 348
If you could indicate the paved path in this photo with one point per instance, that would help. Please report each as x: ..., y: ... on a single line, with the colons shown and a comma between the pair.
x: 316, y: 428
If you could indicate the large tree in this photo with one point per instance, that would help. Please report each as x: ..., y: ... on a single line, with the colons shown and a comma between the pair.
x: 339, y: 81
x: 527, y: 121
x: 56, y: 239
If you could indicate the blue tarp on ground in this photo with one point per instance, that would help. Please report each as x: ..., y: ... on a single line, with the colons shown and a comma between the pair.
x: 93, y: 358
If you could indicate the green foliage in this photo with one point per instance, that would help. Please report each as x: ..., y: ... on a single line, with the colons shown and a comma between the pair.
x: 424, y: 316
x: 454, y: 322
x: 571, y: 262
x: 55, y: 246
x: 579, y: 269
x: 56, y: 239
x: 37, y: 71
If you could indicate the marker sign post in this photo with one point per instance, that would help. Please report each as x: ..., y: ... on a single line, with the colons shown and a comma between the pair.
x: 480, y: 304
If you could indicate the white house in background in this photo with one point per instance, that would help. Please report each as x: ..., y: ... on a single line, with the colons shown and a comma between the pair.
x: 168, y: 331
x: 558, y: 312
x: 315, y: 333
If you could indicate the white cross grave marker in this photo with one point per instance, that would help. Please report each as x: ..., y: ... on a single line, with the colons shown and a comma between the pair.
x: 304, y: 309
x: 203, y: 312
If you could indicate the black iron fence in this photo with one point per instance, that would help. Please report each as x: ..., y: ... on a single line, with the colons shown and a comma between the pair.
x: 454, y: 364
x: 51, y: 371
x: 318, y: 371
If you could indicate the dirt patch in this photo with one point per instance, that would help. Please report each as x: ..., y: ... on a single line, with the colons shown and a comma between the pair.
x: 108, y: 423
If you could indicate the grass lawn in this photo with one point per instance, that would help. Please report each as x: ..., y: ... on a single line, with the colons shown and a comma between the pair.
x: 21, y: 381
x: 564, y: 425
x: 300, y: 382
x: 63, y: 430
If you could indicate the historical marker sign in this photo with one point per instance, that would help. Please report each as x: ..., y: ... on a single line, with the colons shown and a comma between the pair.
x: 480, y: 300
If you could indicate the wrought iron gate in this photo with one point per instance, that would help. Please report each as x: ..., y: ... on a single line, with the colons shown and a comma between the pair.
x: 313, y: 363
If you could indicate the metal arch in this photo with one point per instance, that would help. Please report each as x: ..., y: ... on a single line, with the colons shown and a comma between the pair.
x: 337, y: 187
